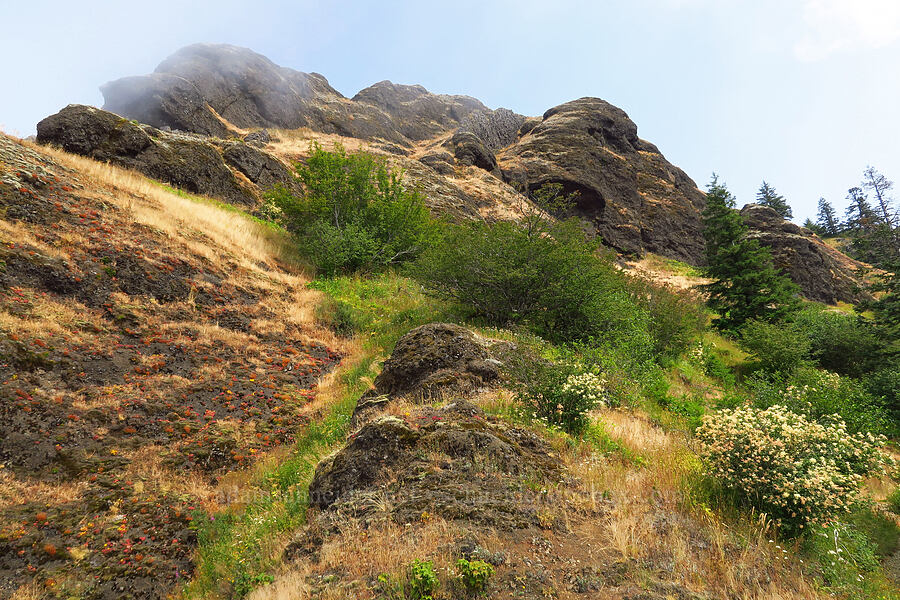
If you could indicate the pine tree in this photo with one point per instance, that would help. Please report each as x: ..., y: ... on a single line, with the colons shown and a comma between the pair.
x: 880, y: 187
x: 814, y: 227
x: 745, y: 283
x: 873, y: 238
x: 859, y: 215
x: 827, y: 218
x: 886, y: 309
x: 767, y: 196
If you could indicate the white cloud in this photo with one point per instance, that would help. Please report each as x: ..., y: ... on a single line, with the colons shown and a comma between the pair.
x: 835, y: 25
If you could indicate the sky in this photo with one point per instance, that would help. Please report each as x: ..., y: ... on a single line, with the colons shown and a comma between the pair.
x: 800, y: 93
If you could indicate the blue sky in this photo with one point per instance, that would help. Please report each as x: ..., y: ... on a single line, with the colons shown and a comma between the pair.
x: 802, y: 93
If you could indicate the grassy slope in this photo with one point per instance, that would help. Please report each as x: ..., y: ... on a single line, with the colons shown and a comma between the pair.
x: 625, y: 453
x: 153, y: 346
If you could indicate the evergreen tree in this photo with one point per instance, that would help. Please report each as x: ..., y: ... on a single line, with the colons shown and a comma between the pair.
x: 745, y: 283
x: 814, y: 227
x: 827, y: 219
x: 873, y: 238
x: 886, y: 309
x: 860, y: 216
x: 767, y: 196
x: 880, y: 187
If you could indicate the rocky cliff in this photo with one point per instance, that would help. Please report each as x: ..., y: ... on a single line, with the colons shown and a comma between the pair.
x: 468, y: 160
x: 823, y: 273
x: 633, y: 198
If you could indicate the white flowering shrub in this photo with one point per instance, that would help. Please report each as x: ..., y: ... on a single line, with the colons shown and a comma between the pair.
x: 562, y: 396
x: 796, y: 470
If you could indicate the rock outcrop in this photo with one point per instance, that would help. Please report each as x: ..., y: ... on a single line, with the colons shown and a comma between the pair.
x: 823, y: 273
x: 434, y: 361
x: 633, y: 197
x: 417, y: 113
x: 230, y: 170
x: 468, y: 161
x: 213, y: 88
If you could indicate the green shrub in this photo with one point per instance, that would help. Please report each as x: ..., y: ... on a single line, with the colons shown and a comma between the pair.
x: 675, y: 318
x: 560, y: 394
x: 893, y: 501
x: 423, y: 581
x: 846, y: 559
x: 474, y: 574
x: 540, y: 274
x: 779, y: 347
x: 885, y: 384
x: 819, y: 394
x: 839, y: 342
x: 797, y: 471
x: 354, y: 212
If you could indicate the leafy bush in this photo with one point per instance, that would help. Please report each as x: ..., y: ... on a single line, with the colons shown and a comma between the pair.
x: 474, y: 574
x: 839, y: 342
x: 797, y: 471
x: 893, y: 501
x: 545, y: 276
x: 354, y: 213
x: 676, y: 318
x: 423, y: 581
x: 778, y: 347
x: 885, y: 384
x: 819, y: 394
x: 559, y: 394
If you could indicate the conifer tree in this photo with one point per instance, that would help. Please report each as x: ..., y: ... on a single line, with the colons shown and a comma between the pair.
x: 745, y: 283
x: 767, y: 196
x: 827, y: 219
x: 873, y: 238
x: 860, y: 216
x: 880, y: 186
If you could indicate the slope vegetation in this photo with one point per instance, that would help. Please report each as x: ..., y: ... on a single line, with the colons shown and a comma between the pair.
x: 151, y: 344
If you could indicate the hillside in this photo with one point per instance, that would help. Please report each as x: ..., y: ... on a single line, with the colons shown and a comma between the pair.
x: 190, y: 117
x: 400, y: 378
x: 152, y: 344
x: 158, y: 346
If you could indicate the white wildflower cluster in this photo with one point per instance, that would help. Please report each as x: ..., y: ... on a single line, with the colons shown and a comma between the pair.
x: 795, y: 470
x: 795, y: 395
x: 698, y: 353
x: 588, y: 387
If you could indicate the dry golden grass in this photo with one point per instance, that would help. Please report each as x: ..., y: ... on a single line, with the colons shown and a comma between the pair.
x: 13, y: 490
x: 182, y: 218
x: 29, y: 591
x: 293, y: 144
x: 659, y: 270
x: 362, y: 553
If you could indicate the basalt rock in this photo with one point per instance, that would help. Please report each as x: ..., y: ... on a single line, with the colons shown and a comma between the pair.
x: 433, y: 361
x: 210, y: 88
x: 436, y: 359
x: 194, y: 163
x: 264, y: 170
x: 633, y: 197
x: 163, y: 100
x: 468, y: 149
x: 390, y: 460
x: 495, y: 128
x: 823, y: 273
x: 417, y: 113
